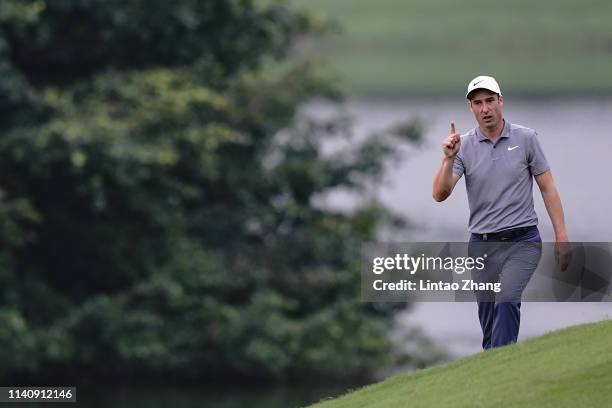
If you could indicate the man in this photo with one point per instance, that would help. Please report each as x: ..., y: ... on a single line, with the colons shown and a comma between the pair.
x: 500, y: 160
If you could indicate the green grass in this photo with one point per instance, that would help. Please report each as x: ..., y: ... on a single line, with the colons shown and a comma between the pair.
x: 434, y: 47
x: 567, y: 368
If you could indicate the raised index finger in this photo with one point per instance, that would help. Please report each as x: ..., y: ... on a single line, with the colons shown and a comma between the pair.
x: 453, y: 127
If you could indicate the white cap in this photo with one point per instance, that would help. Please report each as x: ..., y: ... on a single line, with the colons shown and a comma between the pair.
x: 483, y: 82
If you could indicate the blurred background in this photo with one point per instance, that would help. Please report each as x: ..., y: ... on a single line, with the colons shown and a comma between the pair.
x: 184, y: 186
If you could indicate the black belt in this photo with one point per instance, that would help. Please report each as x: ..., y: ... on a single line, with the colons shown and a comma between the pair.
x: 506, y: 234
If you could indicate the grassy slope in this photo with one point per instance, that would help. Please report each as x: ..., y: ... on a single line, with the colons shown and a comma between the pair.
x: 567, y: 368
x: 434, y: 47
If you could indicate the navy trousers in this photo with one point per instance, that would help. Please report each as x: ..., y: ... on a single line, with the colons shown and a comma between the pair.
x: 512, y: 263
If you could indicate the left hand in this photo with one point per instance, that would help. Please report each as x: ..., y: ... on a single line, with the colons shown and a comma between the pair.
x: 563, y: 253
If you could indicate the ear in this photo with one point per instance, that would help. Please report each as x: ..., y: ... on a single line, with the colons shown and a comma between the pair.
x: 469, y: 102
x: 501, y: 100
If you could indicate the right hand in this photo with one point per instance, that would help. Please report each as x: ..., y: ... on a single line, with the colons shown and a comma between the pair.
x: 452, y: 143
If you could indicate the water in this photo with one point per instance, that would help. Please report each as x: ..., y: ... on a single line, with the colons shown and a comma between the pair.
x: 577, y: 139
x: 193, y: 396
x: 196, y: 396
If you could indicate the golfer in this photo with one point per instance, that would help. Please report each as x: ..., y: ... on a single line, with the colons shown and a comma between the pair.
x: 500, y: 160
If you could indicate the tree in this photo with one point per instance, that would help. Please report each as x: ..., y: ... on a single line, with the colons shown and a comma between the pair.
x: 159, y: 189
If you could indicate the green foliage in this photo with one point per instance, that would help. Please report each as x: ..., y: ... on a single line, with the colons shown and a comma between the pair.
x: 159, y: 185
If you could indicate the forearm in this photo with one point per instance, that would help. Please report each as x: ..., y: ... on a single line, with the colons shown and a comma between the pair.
x: 443, y: 182
x: 552, y: 201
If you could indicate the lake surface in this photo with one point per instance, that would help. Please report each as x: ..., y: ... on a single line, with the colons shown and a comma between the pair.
x: 577, y: 139
x: 199, y: 396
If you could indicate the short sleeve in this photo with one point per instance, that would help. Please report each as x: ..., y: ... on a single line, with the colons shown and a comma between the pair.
x: 535, y: 157
x: 458, y: 167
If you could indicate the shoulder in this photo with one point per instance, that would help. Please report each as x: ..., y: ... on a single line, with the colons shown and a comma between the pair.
x: 522, y: 131
x: 528, y: 137
x: 468, y: 140
x: 469, y: 136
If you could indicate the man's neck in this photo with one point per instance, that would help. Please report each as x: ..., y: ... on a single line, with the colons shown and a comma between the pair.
x: 493, y: 133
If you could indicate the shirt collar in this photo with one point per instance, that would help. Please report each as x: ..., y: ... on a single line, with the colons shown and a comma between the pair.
x: 504, y: 134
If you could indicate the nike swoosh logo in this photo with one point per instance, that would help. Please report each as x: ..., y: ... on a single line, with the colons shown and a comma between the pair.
x: 477, y: 82
x: 512, y: 148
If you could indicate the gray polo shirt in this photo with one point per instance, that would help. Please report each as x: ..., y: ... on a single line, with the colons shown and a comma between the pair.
x: 499, y: 177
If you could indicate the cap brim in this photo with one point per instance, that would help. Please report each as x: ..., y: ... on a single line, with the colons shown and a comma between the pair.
x: 467, y: 95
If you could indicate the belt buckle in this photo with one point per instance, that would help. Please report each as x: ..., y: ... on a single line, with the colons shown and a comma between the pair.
x: 484, y: 237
